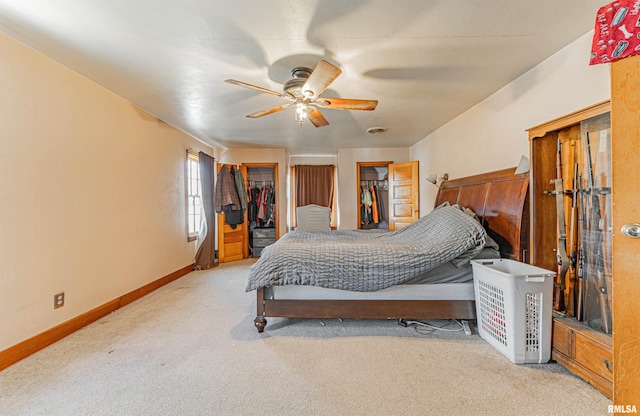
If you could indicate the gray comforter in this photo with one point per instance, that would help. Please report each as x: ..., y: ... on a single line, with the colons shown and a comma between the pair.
x: 369, y: 260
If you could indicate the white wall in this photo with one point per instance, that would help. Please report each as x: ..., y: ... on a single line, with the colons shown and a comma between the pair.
x: 92, y: 194
x: 492, y: 135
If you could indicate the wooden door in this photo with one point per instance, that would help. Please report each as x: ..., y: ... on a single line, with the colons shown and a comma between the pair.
x: 404, y: 194
x: 232, y: 242
x: 625, y: 150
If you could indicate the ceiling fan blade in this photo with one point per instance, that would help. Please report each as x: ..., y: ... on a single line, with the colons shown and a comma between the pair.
x: 321, y: 77
x: 346, y: 104
x: 270, y: 110
x: 316, y: 117
x: 255, y: 88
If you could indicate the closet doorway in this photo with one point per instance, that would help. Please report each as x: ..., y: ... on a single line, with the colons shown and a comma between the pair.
x: 259, y: 227
x: 373, y: 195
x: 262, y: 213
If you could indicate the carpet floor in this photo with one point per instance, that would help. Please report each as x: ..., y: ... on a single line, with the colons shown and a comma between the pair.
x: 190, y: 348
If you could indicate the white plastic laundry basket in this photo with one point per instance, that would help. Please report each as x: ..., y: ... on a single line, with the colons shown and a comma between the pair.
x: 514, y: 308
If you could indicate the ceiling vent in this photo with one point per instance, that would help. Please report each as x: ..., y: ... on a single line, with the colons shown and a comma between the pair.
x: 376, y: 130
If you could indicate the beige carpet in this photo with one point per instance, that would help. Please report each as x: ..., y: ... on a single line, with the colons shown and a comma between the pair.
x: 190, y: 348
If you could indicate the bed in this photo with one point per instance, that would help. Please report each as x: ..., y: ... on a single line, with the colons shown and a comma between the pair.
x: 500, y: 201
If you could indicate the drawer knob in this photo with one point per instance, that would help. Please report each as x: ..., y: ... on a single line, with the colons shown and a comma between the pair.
x: 608, y: 364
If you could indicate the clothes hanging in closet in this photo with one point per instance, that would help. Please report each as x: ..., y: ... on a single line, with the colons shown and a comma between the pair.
x: 230, y: 196
x: 374, y: 204
x: 371, y: 204
x: 261, y: 205
x: 382, y: 206
x: 365, y: 205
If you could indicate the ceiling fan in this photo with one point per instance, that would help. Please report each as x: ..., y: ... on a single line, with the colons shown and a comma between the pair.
x: 303, y: 92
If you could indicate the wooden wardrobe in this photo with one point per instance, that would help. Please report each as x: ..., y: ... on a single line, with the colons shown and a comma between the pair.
x: 609, y: 362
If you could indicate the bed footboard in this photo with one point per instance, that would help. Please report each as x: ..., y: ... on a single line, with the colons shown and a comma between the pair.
x: 361, y: 309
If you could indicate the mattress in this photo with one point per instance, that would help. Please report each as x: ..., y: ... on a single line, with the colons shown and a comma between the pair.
x: 445, y: 282
x: 357, y: 260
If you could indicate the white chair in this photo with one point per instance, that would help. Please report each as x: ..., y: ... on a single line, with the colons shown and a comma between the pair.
x: 313, y: 218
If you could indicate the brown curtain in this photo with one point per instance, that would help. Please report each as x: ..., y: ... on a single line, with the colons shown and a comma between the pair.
x: 314, y: 184
x: 205, y: 257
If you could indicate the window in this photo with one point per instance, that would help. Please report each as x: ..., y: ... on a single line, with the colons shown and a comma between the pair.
x: 194, y: 195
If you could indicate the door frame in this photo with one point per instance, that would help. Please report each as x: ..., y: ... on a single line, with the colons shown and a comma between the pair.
x: 276, y: 214
x: 358, y: 188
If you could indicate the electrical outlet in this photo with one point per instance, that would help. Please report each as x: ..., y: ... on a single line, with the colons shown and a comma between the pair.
x: 58, y: 300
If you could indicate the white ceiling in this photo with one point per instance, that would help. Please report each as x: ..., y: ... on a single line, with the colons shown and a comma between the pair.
x: 425, y: 61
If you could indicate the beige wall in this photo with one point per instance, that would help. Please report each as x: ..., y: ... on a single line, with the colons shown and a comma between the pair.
x: 92, y: 196
x: 491, y: 135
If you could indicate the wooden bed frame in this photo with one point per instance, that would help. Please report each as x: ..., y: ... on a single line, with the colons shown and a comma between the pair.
x: 499, y: 198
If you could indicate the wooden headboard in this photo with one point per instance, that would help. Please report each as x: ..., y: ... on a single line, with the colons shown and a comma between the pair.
x: 501, y: 200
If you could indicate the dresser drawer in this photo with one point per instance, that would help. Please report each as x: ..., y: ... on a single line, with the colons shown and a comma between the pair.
x: 593, y: 355
x: 585, y: 352
x: 562, y: 338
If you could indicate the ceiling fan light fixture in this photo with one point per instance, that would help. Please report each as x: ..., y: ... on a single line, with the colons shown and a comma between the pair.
x: 304, y: 90
x: 376, y: 130
x: 301, y: 112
